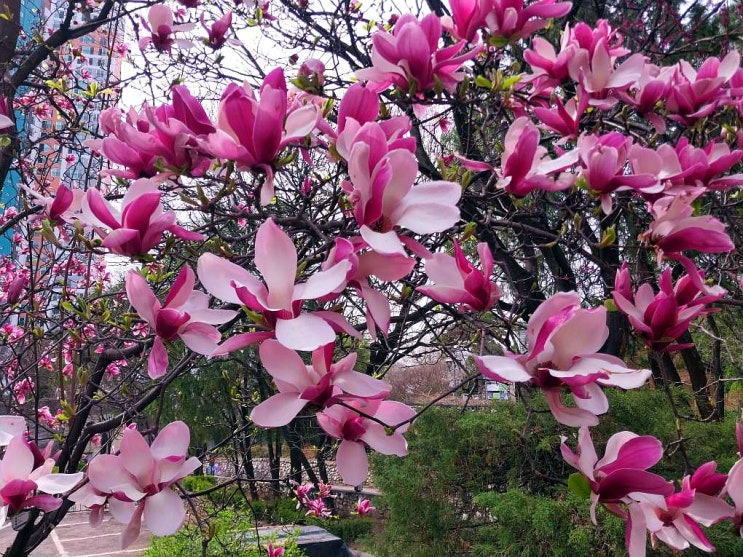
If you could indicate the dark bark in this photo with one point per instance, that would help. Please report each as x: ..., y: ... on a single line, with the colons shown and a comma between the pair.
x: 716, y: 369
x: 664, y: 371
x: 697, y: 375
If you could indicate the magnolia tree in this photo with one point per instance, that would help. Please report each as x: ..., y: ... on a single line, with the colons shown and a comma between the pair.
x: 323, y: 190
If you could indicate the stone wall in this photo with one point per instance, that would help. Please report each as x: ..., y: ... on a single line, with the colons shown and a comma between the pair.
x: 262, y: 470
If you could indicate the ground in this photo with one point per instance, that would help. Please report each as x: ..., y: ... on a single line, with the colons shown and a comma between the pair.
x: 76, y: 538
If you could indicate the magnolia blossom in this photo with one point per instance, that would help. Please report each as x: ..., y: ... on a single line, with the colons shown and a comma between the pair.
x: 660, y: 318
x: 526, y: 166
x: 563, y: 118
x: 384, y: 196
x: 160, y: 23
x: 138, y: 480
x: 185, y: 314
x: 279, y: 300
x: 252, y: 132
x: 364, y: 507
x: 140, y: 224
x: 623, y: 469
x: 364, y: 264
x: 356, y: 431
x: 10, y: 427
x: 675, y: 229
x: 595, y: 72
x: 217, y: 31
x: 460, y: 282
x: 563, y: 341
x: 321, y: 383
x: 63, y: 207
x: 5, y: 121
x: 694, y: 93
x: 734, y: 489
x: 25, y: 470
x: 360, y: 105
x: 675, y: 519
x: 603, y: 160
x: 157, y: 142
x: 510, y: 19
x: 578, y: 51
x: 409, y: 58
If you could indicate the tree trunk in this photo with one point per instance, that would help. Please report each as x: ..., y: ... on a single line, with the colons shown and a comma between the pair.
x: 698, y: 376
x: 716, y: 369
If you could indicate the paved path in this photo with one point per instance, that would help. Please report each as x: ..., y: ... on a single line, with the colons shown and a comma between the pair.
x: 76, y: 538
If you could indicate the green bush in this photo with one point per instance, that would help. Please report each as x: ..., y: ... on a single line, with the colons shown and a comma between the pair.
x: 348, y: 529
x: 490, y: 482
x: 195, y: 484
x: 225, y: 537
x: 524, y: 525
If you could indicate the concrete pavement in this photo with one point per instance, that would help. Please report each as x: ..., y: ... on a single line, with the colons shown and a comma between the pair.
x: 76, y: 538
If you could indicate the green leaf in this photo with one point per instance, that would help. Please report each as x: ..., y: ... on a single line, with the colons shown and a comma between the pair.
x: 484, y: 82
x: 510, y: 82
x: 578, y: 484
x: 608, y: 238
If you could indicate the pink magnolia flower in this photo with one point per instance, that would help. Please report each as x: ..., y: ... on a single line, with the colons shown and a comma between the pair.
x: 15, y: 288
x: 139, y: 226
x: 5, y: 121
x: 703, y: 166
x: 22, y: 389
x: 301, y: 491
x: 510, y: 19
x: 364, y: 507
x: 279, y: 300
x: 410, y: 58
x: 320, y: 384
x: 457, y: 281
x: 185, y: 314
x: 93, y: 499
x: 364, y: 264
x: 563, y: 119
x: 63, y: 207
x: 652, y: 86
x: 160, y: 24
x: 734, y: 489
x: 563, y: 341
x: 138, y: 480
x: 384, y: 196
x: 695, y: 94
x: 274, y: 551
x: 160, y: 142
x: 325, y: 490
x: 10, y: 427
x: 596, y: 74
x: 252, y: 132
x: 621, y: 472
x: 25, y: 470
x: 675, y: 519
x: 217, y: 31
x: 675, y: 229
x: 356, y: 431
x: 318, y: 509
x: 603, y: 160
x: 550, y: 68
x: 663, y: 317
x: 359, y: 106
x: 526, y: 166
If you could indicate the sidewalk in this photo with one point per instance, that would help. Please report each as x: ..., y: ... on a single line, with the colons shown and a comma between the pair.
x: 76, y: 538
